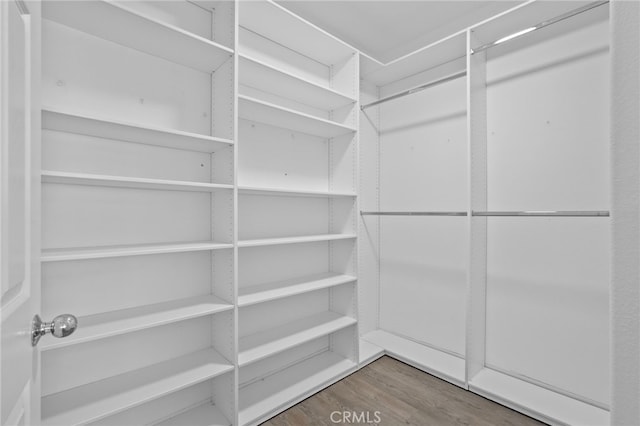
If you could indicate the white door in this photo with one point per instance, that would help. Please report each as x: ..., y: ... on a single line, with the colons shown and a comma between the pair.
x: 18, y: 264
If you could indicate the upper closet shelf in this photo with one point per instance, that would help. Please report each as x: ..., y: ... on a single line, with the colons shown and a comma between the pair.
x: 448, y: 53
x: 283, y: 27
x: 524, y: 18
x: 274, y: 115
x: 294, y: 240
x: 129, y: 132
x: 121, y: 25
x: 253, y: 190
x: 94, y: 401
x: 259, y: 75
x: 110, y: 324
x: 129, y: 182
x: 84, y: 253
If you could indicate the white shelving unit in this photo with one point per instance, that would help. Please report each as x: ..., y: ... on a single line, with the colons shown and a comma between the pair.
x: 297, y: 203
x: 202, y: 181
x: 138, y: 195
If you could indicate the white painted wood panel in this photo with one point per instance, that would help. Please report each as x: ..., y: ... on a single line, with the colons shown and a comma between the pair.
x: 79, y: 68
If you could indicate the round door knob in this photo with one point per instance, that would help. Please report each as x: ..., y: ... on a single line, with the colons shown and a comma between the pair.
x: 61, y: 326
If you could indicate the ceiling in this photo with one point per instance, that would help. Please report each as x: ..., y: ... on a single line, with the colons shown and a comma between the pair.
x: 388, y: 29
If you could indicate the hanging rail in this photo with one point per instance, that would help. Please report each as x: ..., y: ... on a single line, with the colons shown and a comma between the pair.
x: 416, y: 89
x: 543, y: 24
x: 549, y: 213
x: 525, y: 213
x: 413, y: 213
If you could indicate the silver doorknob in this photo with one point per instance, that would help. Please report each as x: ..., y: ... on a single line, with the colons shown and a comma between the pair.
x: 61, y: 326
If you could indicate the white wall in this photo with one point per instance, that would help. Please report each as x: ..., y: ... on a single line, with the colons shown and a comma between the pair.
x: 423, y: 166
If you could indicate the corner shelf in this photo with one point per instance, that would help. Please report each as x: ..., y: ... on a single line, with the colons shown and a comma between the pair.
x: 280, y: 289
x: 65, y: 254
x: 94, y: 401
x: 129, y: 182
x: 202, y: 415
x: 294, y: 240
x: 261, y: 345
x: 254, y: 190
x: 264, y: 398
x: 369, y: 352
x: 100, y: 326
x: 267, y: 113
x: 437, y: 363
x: 53, y: 119
x: 267, y: 78
x: 121, y: 25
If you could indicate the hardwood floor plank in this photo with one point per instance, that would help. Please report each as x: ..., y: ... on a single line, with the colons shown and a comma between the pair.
x: 402, y: 395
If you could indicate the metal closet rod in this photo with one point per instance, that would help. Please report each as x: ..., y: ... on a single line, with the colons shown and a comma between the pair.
x: 524, y: 213
x: 416, y: 89
x: 540, y: 25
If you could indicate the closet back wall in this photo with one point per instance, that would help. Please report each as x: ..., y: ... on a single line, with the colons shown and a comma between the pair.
x: 423, y: 259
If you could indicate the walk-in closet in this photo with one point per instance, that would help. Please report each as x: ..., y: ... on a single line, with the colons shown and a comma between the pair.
x: 214, y: 210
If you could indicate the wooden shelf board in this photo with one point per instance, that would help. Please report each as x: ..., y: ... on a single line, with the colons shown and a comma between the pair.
x: 267, y: 78
x: 98, y: 400
x: 369, y: 352
x: 276, y: 23
x: 118, y: 130
x: 202, y: 415
x: 129, y: 182
x: 254, y: 190
x: 267, y: 397
x: 119, y: 24
x: 437, y: 363
x: 294, y: 240
x: 535, y: 401
x: 267, y: 113
x: 280, y: 289
x: 65, y: 254
x: 100, y: 326
x: 258, y: 346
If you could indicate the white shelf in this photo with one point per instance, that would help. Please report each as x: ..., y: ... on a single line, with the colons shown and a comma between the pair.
x: 294, y: 240
x: 441, y: 52
x: 129, y: 132
x: 109, y: 324
x: 129, y: 182
x: 254, y: 190
x: 202, y: 415
x: 276, y: 23
x: 267, y: 113
x: 280, y: 289
x: 437, y: 363
x: 97, y: 400
x: 64, y: 254
x: 535, y: 401
x: 262, y: 399
x: 124, y: 26
x: 369, y: 352
x: 264, y: 344
x: 257, y: 74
